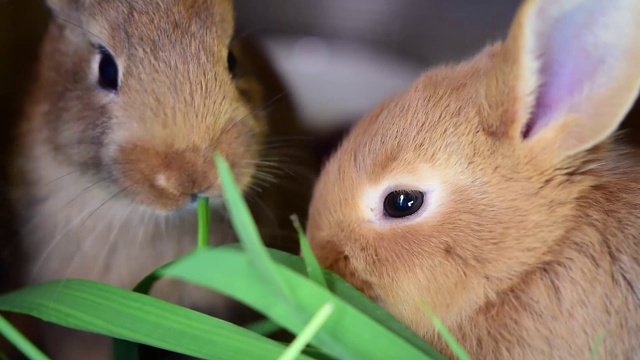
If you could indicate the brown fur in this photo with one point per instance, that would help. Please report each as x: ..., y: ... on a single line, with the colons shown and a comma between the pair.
x: 529, y: 249
x: 100, y: 179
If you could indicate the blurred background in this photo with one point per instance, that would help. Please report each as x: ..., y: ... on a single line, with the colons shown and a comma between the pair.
x: 341, y: 57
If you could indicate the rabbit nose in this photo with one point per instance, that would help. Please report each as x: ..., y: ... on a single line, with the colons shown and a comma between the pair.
x: 178, y: 183
x: 185, y: 174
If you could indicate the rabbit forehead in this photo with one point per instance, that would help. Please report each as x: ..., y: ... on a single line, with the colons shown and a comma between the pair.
x: 128, y: 24
x: 439, y: 123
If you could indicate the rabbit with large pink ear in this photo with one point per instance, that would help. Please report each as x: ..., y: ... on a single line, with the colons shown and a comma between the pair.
x: 493, y: 192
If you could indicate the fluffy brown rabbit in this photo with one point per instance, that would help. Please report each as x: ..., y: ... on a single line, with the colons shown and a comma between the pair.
x: 495, y: 193
x: 131, y: 99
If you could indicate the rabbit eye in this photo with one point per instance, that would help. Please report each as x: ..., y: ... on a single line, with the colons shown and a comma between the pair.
x: 107, y: 70
x: 403, y: 203
x: 232, y: 62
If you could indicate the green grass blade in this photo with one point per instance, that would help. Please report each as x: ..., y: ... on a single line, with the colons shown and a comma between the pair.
x: 118, y: 313
x: 246, y: 228
x: 458, y: 351
x: 264, y: 327
x: 127, y: 350
x: 358, y: 300
x: 313, y: 267
x: 146, y: 284
x: 348, y: 335
x: 317, y: 354
x: 305, y: 336
x: 20, y: 341
x: 203, y: 222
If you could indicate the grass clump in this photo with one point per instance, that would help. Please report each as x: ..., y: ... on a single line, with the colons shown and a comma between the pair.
x: 330, y: 318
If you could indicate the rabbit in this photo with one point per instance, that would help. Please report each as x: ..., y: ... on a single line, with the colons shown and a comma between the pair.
x: 495, y: 193
x: 129, y: 102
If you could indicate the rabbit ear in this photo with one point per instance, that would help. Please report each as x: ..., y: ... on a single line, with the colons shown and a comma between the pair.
x: 573, y: 69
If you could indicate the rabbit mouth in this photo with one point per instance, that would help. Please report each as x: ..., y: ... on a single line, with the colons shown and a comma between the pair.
x: 216, y: 203
x: 168, y: 179
x: 160, y: 201
x: 156, y: 198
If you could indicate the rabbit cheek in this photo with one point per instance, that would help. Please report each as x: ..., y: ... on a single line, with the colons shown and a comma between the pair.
x: 241, y: 146
x: 343, y: 266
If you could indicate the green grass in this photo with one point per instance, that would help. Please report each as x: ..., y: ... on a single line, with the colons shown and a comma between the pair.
x: 298, y: 345
x: 203, y: 222
x: 330, y: 318
x: 313, y: 268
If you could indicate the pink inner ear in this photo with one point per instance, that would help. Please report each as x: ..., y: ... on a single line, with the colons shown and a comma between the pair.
x: 570, y: 60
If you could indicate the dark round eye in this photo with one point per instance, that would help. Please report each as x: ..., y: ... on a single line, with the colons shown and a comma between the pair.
x: 107, y: 71
x: 403, y: 203
x: 232, y: 62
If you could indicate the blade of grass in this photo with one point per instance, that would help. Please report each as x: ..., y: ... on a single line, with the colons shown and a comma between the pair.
x: 314, y: 353
x: 358, y: 300
x: 146, y: 284
x: 264, y: 327
x: 305, y: 336
x: 246, y: 229
x: 317, y: 354
x: 111, y: 311
x: 348, y: 335
x: 451, y: 341
x: 313, y: 267
x: 20, y: 341
x: 597, y: 345
x: 127, y: 350
x: 203, y: 222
